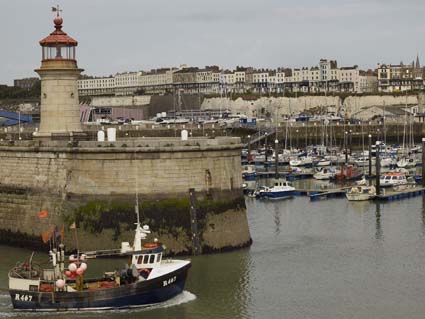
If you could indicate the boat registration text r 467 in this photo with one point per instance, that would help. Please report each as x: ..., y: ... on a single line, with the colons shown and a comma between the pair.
x: 23, y: 297
x: 169, y: 281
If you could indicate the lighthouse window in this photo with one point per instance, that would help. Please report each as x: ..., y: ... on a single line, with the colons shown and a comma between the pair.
x: 152, y: 259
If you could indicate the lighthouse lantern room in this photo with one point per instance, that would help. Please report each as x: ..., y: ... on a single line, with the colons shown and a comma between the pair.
x: 58, y: 45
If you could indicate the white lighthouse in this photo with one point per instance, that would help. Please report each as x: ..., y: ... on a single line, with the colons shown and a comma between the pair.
x: 60, y: 111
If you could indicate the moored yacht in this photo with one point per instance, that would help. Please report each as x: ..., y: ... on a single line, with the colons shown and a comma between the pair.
x: 323, y: 173
x: 360, y: 193
x: 406, y: 162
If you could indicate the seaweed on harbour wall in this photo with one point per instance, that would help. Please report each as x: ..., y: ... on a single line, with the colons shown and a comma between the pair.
x: 167, y: 215
x: 209, y: 206
x: 95, y: 216
x: 19, y: 239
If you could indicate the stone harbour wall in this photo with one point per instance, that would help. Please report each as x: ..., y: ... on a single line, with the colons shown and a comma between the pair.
x: 95, y: 184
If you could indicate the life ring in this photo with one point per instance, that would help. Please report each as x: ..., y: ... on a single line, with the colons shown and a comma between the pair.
x: 107, y: 284
x: 45, y: 287
x: 152, y: 245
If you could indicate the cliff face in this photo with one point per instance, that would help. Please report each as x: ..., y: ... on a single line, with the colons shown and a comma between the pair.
x: 283, y: 105
x: 95, y: 185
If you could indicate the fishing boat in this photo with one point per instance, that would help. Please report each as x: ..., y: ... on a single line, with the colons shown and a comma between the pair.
x: 281, y: 189
x: 360, y: 193
x: 146, y: 280
x: 349, y: 172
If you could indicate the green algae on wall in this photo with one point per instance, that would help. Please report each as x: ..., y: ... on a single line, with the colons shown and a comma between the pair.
x: 166, y: 217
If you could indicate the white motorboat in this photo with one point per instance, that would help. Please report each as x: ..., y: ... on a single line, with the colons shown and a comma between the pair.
x: 280, y: 190
x: 248, y: 172
x: 302, y: 161
x: 364, y: 161
x: 392, y: 179
x: 362, y: 182
x: 324, y: 174
x: 360, y: 193
x: 324, y: 162
x: 388, y: 161
x: 406, y: 162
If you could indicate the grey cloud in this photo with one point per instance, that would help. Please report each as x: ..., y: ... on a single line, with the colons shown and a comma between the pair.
x: 127, y: 35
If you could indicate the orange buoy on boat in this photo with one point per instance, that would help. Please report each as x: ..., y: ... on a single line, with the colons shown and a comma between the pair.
x: 151, y: 245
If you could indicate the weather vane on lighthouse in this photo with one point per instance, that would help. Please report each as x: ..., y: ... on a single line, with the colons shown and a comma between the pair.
x: 57, y: 10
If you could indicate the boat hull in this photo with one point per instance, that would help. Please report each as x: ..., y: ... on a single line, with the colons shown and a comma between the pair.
x: 276, y: 195
x: 359, y: 197
x: 323, y: 163
x: 249, y: 176
x: 138, y: 294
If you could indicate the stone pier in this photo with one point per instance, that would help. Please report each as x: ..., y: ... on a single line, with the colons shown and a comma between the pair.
x: 95, y: 184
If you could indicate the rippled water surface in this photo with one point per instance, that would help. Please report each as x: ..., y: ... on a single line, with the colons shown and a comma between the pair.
x: 328, y: 259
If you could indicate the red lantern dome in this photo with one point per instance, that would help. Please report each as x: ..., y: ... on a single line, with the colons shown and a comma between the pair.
x: 58, y: 45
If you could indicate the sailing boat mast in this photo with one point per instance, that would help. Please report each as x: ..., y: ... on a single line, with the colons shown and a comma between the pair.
x: 286, y: 134
x: 404, y: 126
x: 383, y: 120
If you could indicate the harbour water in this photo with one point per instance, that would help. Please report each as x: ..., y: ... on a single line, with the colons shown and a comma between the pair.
x: 328, y: 259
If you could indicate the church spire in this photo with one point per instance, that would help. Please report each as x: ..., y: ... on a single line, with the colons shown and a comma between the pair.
x: 418, y: 65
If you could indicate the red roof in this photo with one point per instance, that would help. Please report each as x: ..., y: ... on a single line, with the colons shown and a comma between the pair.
x: 58, y: 36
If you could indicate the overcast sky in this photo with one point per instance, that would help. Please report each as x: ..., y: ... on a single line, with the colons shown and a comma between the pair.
x: 126, y: 35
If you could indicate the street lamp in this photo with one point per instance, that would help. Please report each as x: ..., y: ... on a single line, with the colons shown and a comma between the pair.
x: 19, y: 122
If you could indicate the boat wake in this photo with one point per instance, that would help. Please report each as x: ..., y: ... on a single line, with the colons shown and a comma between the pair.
x: 5, y: 306
x: 6, y: 310
x: 182, y: 298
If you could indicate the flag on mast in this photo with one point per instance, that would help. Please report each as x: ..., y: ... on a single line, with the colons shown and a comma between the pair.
x: 46, y: 235
x: 43, y: 214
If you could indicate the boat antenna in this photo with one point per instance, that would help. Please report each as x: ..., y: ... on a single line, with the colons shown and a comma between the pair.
x: 137, y: 193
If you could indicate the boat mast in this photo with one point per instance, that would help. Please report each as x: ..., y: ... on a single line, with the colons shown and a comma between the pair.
x: 404, y: 126
x: 139, y: 235
x: 383, y: 120
x: 363, y: 153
